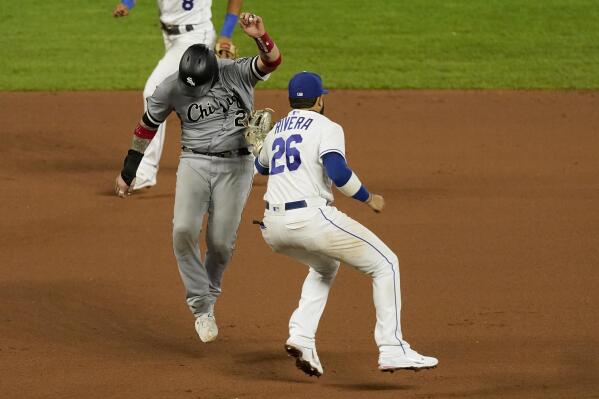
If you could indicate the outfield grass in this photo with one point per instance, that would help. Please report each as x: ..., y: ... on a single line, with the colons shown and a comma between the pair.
x: 76, y: 45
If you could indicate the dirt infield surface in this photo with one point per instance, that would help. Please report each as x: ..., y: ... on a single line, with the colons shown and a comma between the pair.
x: 492, y: 206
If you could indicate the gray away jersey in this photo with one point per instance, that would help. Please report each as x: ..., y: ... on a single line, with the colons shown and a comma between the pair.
x: 215, y: 121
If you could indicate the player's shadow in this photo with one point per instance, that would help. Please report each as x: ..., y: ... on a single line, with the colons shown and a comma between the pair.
x: 90, y: 317
x: 70, y: 165
x: 370, y: 386
x: 275, y: 365
x: 141, y: 195
x: 270, y: 365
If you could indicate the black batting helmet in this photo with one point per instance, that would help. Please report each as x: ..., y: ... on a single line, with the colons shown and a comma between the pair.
x: 198, y: 67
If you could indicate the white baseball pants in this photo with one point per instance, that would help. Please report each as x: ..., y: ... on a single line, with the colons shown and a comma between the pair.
x: 321, y: 238
x: 175, y: 46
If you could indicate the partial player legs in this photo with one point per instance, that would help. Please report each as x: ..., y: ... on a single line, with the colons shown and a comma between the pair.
x: 332, y: 234
x: 231, y: 183
x: 191, y: 203
x: 315, y: 292
x: 304, y: 321
x: 321, y: 239
x: 357, y: 246
x: 148, y: 168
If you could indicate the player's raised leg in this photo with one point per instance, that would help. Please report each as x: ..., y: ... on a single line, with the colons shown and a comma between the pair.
x: 357, y: 246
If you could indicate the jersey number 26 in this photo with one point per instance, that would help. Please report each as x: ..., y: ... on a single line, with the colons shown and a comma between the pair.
x: 292, y: 155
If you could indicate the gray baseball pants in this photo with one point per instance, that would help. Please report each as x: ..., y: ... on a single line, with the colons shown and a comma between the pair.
x: 219, y: 187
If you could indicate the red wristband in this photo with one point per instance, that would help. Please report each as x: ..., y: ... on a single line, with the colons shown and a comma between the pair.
x: 144, y: 133
x: 272, y: 64
x: 265, y: 43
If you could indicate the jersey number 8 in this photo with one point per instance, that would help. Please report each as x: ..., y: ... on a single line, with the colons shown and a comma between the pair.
x: 292, y: 154
x: 187, y: 5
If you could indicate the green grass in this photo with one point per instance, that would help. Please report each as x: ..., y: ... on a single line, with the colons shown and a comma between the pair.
x: 77, y: 45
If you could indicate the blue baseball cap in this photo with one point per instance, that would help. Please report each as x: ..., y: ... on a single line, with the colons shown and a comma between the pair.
x: 306, y: 85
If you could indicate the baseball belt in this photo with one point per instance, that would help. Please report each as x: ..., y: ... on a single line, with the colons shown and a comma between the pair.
x: 289, y: 205
x: 312, y: 202
x: 224, y: 154
x: 176, y: 29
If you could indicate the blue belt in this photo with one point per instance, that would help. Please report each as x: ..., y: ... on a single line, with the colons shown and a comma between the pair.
x: 290, y: 205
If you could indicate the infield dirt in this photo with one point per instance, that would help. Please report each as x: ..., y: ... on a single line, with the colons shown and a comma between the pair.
x: 492, y: 207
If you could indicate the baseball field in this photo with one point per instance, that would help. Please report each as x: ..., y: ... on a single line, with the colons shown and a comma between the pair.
x: 476, y: 120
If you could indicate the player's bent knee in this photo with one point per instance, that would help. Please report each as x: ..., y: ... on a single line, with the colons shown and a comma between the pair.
x: 330, y: 274
x: 394, y: 259
x: 183, y: 236
x: 328, y: 277
x: 220, y: 252
x: 387, y: 265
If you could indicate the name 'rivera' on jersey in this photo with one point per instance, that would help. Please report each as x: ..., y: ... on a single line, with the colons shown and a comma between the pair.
x: 292, y: 156
x: 293, y: 122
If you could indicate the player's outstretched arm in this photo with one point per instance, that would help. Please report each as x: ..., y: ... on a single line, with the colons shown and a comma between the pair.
x: 347, y: 181
x: 142, y: 136
x: 122, y: 9
x: 270, y: 56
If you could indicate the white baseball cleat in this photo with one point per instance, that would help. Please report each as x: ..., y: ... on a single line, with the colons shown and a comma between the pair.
x: 306, y: 359
x: 410, y: 360
x: 206, y: 327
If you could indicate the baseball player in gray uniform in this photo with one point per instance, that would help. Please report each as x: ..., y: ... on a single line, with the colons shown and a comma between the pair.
x: 183, y: 22
x: 213, y: 99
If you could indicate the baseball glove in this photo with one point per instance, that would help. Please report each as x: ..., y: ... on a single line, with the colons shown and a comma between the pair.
x: 259, y: 125
x: 226, y: 50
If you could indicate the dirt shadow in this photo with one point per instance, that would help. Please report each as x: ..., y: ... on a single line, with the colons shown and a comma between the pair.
x: 93, y: 316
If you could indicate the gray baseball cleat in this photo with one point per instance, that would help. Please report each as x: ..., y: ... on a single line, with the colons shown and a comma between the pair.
x: 306, y: 359
x: 206, y: 327
x: 407, y: 359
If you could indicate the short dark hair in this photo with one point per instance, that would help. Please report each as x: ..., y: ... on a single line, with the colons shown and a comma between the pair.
x: 302, y: 102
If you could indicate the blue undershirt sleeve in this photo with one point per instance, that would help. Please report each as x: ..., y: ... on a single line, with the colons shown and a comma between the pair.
x: 336, y: 168
x: 229, y: 25
x: 340, y: 173
x: 261, y: 169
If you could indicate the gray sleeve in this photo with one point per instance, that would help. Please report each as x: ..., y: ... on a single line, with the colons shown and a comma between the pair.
x: 245, y: 72
x: 159, y: 104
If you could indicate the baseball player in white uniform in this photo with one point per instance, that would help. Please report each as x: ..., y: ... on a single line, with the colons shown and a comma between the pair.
x: 184, y: 23
x: 302, y: 155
